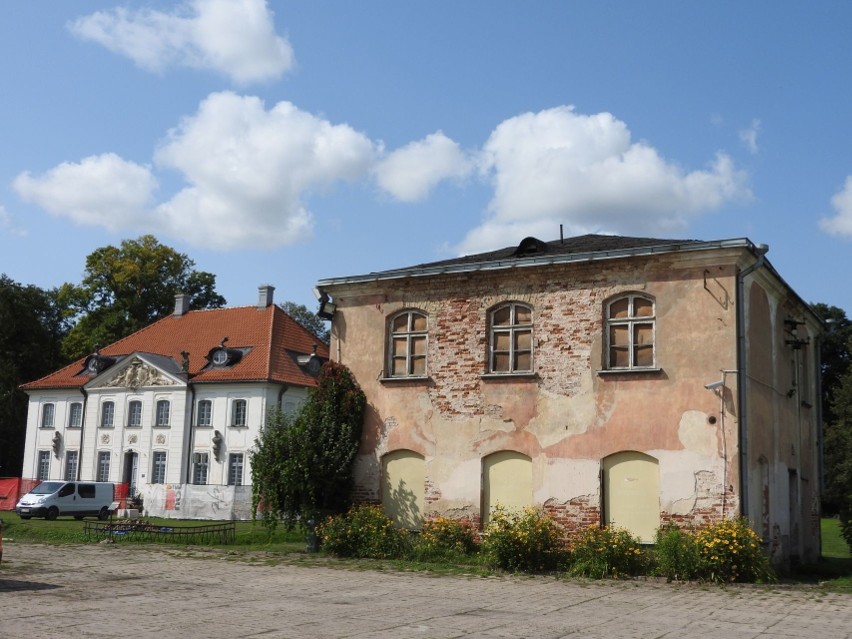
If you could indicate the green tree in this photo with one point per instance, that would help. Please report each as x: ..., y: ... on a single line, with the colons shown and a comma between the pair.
x: 836, y: 381
x: 125, y: 288
x: 32, y: 331
x: 302, y: 466
x: 838, y: 456
x: 307, y: 318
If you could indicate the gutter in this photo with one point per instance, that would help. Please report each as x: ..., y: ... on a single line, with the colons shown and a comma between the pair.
x: 82, y: 433
x: 760, y: 251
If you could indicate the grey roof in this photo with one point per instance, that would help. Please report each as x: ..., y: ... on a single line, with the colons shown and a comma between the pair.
x: 532, y: 252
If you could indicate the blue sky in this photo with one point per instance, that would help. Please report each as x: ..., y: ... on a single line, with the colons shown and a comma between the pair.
x: 286, y: 142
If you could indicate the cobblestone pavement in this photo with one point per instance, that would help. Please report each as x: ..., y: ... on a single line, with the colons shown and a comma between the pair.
x: 114, y: 590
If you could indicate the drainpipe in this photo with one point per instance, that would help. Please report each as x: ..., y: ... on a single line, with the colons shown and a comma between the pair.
x: 82, y: 432
x: 760, y: 251
x: 191, y: 437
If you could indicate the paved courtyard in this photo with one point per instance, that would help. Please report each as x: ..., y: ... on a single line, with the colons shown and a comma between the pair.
x: 103, y: 590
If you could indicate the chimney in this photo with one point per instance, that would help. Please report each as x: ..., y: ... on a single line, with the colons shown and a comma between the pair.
x: 181, y: 304
x: 264, y: 297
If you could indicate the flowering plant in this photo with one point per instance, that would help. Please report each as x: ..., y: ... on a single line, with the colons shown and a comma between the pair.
x: 529, y: 540
x: 606, y: 551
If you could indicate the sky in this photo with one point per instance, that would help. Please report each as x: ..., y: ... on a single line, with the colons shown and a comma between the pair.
x: 290, y: 141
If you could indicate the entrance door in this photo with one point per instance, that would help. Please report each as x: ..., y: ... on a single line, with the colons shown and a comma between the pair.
x: 131, y: 467
x: 632, y: 493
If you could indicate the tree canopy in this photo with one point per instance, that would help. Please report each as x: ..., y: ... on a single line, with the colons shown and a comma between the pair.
x: 125, y: 288
x: 302, y: 466
x: 307, y: 318
x: 30, y: 339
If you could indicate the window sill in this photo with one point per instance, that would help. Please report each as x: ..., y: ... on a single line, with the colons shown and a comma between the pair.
x: 629, y: 371
x: 107, y: 427
x: 414, y: 379
x: 237, y: 426
x: 530, y: 375
x: 204, y: 425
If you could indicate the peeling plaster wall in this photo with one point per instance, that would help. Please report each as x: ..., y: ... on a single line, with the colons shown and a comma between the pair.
x: 569, y: 415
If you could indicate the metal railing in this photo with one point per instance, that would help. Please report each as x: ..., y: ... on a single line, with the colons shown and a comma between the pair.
x: 138, y: 530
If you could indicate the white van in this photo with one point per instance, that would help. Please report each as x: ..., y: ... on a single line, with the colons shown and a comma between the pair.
x: 78, y: 498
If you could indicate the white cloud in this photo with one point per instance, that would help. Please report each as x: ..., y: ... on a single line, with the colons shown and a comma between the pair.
x: 410, y: 173
x: 583, y: 171
x: 749, y: 136
x: 249, y: 169
x: 7, y: 223
x: 102, y: 190
x: 840, y: 224
x: 234, y: 38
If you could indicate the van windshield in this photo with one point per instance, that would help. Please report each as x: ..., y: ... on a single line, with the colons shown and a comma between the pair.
x: 47, y: 488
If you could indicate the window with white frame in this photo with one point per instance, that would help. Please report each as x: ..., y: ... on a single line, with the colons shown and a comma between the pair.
x: 238, y: 412
x: 200, y: 465
x: 75, y: 415
x: 630, y: 331
x: 407, y: 341
x: 43, y: 467
x: 107, y: 414
x: 162, y: 413
x: 48, y: 411
x: 158, y: 467
x: 103, y: 465
x: 71, y: 457
x: 134, y: 414
x: 511, y: 339
x: 204, y: 413
x: 235, y: 469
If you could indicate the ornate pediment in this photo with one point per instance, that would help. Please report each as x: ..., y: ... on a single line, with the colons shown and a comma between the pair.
x: 137, y: 375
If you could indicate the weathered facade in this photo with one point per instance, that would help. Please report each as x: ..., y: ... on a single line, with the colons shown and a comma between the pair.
x: 172, y: 412
x: 616, y: 380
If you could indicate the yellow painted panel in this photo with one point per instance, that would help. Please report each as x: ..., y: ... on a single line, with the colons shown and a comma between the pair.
x: 632, y: 493
x: 507, y: 478
x: 403, y: 485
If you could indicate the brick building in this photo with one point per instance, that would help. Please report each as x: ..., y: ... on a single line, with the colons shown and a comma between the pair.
x: 619, y: 380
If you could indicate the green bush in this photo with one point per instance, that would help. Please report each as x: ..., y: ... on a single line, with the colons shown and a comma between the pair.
x: 676, y: 554
x: 443, y: 538
x: 526, y: 541
x: 846, y: 525
x: 731, y: 551
x: 600, y: 552
x: 364, y: 531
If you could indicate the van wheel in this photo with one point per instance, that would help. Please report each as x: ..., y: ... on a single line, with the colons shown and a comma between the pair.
x: 104, y: 514
x: 52, y: 513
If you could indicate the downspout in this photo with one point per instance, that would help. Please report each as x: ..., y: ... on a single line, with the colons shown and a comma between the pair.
x: 820, y: 446
x: 760, y: 250
x: 82, y: 433
x: 191, y: 427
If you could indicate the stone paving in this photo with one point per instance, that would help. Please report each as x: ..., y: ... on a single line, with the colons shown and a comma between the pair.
x: 113, y: 590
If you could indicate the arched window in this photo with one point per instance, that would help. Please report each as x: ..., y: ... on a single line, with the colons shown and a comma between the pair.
x: 511, y: 339
x: 134, y: 413
x: 407, y: 341
x: 163, y: 412
x: 204, y: 415
x: 630, y: 329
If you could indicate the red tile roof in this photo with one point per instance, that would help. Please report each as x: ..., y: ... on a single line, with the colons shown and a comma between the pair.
x: 273, y: 337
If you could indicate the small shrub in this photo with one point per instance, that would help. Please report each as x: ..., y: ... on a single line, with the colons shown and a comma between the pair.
x: 443, y: 537
x: 527, y: 541
x: 677, y: 554
x: 846, y: 525
x: 731, y: 551
x: 364, y: 531
x: 600, y: 552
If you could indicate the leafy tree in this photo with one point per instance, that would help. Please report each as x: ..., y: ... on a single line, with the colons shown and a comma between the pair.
x: 126, y: 288
x: 302, y: 466
x: 838, y: 456
x: 835, y: 353
x: 307, y: 318
x: 836, y: 380
x: 32, y: 331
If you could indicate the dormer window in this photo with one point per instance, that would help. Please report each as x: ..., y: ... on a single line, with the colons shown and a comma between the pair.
x: 221, y: 356
x: 96, y: 364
